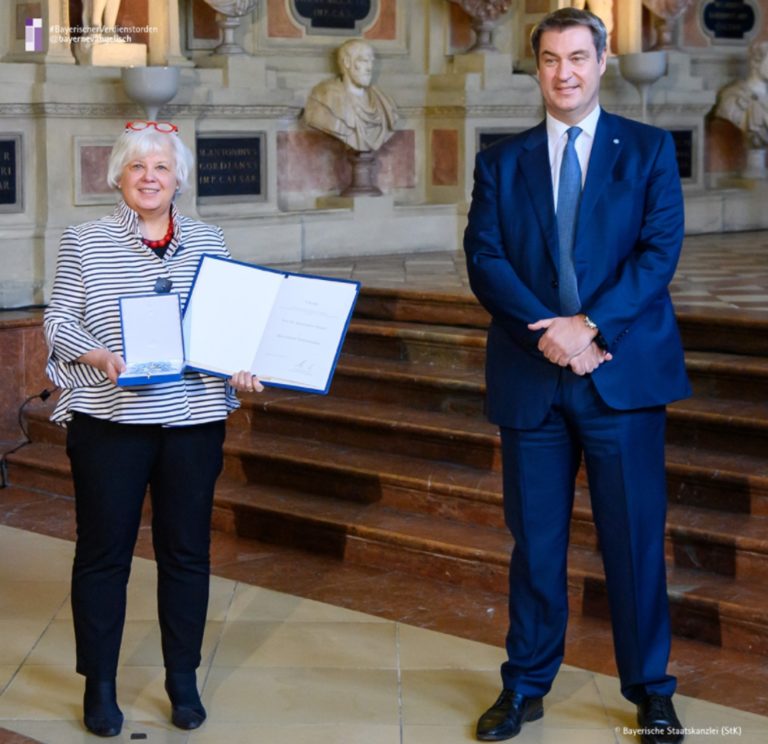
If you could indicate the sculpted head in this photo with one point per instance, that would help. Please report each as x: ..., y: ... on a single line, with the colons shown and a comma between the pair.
x: 355, y: 59
x: 758, y: 59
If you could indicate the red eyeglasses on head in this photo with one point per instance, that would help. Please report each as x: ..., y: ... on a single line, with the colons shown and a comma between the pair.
x: 161, y: 126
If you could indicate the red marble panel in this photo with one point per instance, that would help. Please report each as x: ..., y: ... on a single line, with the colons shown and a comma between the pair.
x: 94, y: 161
x: 135, y: 14
x: 385, y: 26
x: 279, y: 22
x: 445, y: 157
x: 11, y: 380
x: 34, y: 360
x: 311, y: 161
x: 462, y: 35
x: 724, y: 147
x: 204, y: 21
x: 397, y: 161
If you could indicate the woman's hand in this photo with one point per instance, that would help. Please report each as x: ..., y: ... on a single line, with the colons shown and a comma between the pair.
x: 245, y: 382
x: 108, y: 362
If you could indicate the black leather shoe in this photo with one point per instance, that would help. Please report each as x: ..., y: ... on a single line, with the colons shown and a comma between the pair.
x: 506, y: 716
x: 101, y: 715
x: 658, y: 721
x: 187, y: 710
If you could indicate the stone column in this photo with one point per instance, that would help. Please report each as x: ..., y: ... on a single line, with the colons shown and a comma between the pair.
x: 165, y: 45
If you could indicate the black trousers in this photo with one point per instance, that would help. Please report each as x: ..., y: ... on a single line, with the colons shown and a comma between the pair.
x: 112, y: 465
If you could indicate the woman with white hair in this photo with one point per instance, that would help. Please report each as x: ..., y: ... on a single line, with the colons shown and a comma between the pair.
x: 121, y: 440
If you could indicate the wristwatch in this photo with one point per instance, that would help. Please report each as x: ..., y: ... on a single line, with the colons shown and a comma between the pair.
x: 599, y: 338
x: 589, y: 323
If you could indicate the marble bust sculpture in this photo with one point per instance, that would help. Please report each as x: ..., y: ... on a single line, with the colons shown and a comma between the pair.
x: 100, y: 15
x: 603, y: 9
x: 745, y: 102
x: 349, y: 108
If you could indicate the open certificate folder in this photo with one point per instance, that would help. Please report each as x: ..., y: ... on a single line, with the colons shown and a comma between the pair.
x: 286, y: 328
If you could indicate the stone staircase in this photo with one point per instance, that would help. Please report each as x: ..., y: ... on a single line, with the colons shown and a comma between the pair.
x: 397, y: 467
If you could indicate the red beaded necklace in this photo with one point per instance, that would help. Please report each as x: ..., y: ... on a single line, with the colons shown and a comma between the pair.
x: 165, y: 241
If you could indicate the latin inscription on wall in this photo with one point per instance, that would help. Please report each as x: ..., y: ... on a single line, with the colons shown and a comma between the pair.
x: 333, y: 16
x: 10, y: 174
x: 230, y: 166
x: 729, y: 20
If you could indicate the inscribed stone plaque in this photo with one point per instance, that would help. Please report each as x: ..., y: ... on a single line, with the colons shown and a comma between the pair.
x: 729, y: 20
x: 230, y: 166
x: 334, y: 16
x: 10, y: 173
x: 683, y: 139
x: 488, y: 137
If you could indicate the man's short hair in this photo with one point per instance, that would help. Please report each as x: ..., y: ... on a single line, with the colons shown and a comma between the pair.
x: 567, y: 18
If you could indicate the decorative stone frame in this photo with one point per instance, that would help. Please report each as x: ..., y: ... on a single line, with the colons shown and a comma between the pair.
x: 16, y: 138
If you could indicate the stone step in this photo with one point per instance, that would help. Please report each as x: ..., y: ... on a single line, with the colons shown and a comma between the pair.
x: 382, y: 478
x: 447, y: 346
x: 724, y: 331
x: 734, y: 376
x: 723, y: 610
x: 43, y: 466
x: 715, y: 556
x: 725, y: 425
x: 725, y: 482
x: 433, y: 435
x: 721, y: 330
x: 412, y: 305
x: 730, y: 542
x: 418, y: 385
x: 704, y: 477
x: 698, y: 538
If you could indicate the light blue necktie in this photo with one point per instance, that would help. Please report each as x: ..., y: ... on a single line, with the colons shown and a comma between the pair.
x: 568, y: 197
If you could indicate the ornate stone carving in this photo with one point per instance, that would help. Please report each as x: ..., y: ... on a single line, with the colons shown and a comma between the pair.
x: 666, y: 14
x: 745, y: 104
x: 355, y: 112
x: 229, y: 13
x: 485, y: 15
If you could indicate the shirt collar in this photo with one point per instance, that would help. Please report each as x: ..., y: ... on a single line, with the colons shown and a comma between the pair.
x: 556, y: 128
x: 129, y: 219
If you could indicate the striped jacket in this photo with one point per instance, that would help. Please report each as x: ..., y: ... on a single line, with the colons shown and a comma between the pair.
x: 99, y: 262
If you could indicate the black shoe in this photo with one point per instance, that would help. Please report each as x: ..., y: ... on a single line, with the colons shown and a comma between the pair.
x: 101, y: 715
x: 187, y: 710
x: 506, y: 716
x: 658, y: 721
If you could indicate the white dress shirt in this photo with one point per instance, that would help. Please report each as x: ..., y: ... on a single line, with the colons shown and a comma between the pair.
x: 557, y: 139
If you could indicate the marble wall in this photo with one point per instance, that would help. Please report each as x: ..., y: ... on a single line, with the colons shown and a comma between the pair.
x: 66, y: 114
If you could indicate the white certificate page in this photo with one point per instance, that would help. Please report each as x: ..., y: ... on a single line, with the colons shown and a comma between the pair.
x: 285, y: 328
x: 304, y: 332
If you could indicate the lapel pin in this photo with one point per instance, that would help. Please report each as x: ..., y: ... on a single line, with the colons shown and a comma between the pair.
x: 615, y: 142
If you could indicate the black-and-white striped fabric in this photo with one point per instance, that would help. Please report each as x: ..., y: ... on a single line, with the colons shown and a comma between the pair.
x: 99, y: 262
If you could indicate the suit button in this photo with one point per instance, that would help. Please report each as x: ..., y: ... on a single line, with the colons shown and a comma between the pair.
x: 555, y: 284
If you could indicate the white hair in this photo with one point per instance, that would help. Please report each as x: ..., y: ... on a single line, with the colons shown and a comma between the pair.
x: 138, y: 143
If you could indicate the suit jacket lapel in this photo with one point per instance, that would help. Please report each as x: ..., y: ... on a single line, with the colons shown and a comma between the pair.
x: 605, y: 150
x: 534, y: 164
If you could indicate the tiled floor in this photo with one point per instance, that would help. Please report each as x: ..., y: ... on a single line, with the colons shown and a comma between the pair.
x: 715, y: 271
x: 281, y: 669
x: 290, y: 657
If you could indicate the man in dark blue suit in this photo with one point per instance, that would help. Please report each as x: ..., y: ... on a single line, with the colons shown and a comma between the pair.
x: 574, y: 234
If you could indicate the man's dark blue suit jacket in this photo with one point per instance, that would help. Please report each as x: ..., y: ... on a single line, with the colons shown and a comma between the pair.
x: 628, y: 239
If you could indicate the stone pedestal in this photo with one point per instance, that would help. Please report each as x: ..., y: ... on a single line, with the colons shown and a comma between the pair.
x: 756, y: 165
x: 363, y: 174
x: 111, y: 53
